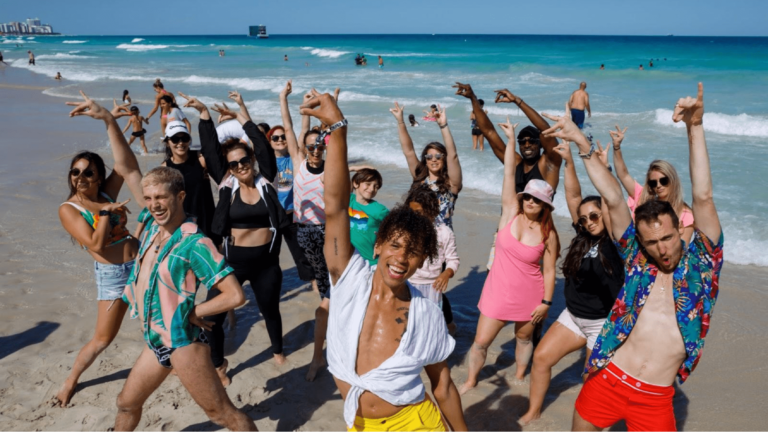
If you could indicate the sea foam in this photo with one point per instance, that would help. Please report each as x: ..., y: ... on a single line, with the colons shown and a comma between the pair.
x: 136, y: 40
x: 741, y: 124
x: 322, y: 52
x: 74, y: 41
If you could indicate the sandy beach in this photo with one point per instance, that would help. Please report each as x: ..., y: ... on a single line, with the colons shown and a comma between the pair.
x: 47, y: 300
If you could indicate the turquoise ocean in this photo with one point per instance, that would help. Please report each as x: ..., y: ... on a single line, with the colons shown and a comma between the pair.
x: 420, y: 69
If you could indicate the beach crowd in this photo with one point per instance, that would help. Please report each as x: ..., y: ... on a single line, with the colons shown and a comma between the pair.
x: 641, y: 273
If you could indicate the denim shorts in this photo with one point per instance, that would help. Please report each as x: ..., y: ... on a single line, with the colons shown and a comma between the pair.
x: 111, y: 279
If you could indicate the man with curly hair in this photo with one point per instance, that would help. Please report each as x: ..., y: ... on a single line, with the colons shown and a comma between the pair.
x: 381, y: 331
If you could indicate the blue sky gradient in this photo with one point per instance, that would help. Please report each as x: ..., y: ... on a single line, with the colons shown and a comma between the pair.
x: 200, y: 17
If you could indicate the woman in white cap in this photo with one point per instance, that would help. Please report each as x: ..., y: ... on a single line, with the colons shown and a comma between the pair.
x: 518, y: 289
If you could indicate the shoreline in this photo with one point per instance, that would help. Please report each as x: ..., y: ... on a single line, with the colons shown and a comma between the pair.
x: 47, y: 292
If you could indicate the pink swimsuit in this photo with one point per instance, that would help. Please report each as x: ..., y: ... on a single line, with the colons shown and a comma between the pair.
x: 515, y: 285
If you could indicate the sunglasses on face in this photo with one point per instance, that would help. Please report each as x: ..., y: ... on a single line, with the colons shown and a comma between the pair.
x: 527, y: 197
x: 435, y: 156
x: 75, y: 172
x: 594, y: 217
x: 522, y: 141
x: 653, y: 184
x: 276, y: 138
x: 246, y: 161
x: 180, y: 138
x: 315, y: 147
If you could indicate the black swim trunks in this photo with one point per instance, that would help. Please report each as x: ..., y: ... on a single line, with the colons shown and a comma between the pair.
x: 163, y: 353
x: 476, y: 132
x: 32, y: 62
x: 139, y: 134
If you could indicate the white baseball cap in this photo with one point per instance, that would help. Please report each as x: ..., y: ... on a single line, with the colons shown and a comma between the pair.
x: 175, y: 127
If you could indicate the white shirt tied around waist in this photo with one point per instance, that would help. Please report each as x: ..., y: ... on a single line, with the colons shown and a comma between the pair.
x: 308, y: 202
x: 397, y: 380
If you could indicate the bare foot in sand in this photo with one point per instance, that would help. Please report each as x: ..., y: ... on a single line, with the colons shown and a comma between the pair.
x: 222, y: 371
x: 528, y: 417
x: 65, y: 394
x: 467, y: 386
x: 314, y: 368
x: 279, y: 359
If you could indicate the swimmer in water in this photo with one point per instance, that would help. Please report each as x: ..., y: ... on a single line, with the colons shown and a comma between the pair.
x: 58, y: 76
x: 602, y: 67
x: 381, y: 62
x: 285, y: 58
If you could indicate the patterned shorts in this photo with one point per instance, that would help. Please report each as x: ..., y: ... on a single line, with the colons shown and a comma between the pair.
x: 312, y: 239
x: 163, y: 353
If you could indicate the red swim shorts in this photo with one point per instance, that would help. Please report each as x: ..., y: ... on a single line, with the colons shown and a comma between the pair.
x: 611, y: 395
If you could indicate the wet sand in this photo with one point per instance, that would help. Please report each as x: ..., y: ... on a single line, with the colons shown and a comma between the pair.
x: 47, y: 300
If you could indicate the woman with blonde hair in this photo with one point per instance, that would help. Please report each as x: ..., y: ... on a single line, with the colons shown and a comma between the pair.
x: 661, y: 182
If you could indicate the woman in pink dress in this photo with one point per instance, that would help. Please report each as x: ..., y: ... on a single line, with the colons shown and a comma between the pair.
x: 519, y: 287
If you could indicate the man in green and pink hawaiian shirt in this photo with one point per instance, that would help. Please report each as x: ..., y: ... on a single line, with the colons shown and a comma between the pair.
x: 656, y: 329
x: 174, y: 259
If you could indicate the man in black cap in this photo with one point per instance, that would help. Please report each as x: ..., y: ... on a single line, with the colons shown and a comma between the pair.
x: 531, y: 162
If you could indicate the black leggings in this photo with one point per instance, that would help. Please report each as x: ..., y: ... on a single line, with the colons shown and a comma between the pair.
x: 447, y: 312
x: 304, y: 268
x: 262, y: 269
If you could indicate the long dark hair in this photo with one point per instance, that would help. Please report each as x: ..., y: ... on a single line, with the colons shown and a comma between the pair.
x: 169, y: 100
x: 443, y: 181
x: 581, y: 244
x: 94, y: 159
x: 425, y: 197
x: 125, y: 93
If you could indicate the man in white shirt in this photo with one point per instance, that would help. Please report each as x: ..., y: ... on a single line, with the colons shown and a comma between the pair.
x: 381, y: 332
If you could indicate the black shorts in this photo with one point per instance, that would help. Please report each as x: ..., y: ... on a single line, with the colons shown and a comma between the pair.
x: 140, y: 133
x: 32, y: 62
x: 163, y: 353
x: 476, y: 132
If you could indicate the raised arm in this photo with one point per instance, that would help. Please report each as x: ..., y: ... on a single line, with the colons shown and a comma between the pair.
x: 452, y: 158
x: 622, y: 172
x: 290, y: 136
x: 604, y: 182
x: 215, y: 162
x: 691, y: 111
x: 572, y: 185
x: 265, y: 156
x: 483, y: 122
x: 405, y: 139
x: 126, y: 167
x: 548, y: 143
x: 338, y: 247
x: 509, y: 204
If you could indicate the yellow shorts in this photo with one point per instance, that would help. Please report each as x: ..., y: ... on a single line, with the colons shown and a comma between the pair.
x: 420, y: 417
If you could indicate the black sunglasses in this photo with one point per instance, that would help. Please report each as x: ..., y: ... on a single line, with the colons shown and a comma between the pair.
x: 246, y: 161
x: 522, y: 141
x: 276, y: 138
x: 312, y: 148
x: 75, y: 172
x: 527, y: 197
x: 594, y: 217
x: 180, y: 138
x: 436, y: 156
x: 653, y: 183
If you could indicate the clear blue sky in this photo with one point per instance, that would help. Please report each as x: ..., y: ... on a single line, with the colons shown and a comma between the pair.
x: 598, y: 17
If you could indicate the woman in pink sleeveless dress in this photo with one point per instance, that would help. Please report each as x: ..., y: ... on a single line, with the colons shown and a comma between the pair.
x: 521, y: 282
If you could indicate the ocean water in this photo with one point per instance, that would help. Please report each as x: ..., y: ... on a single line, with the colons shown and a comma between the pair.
x: 420, y: 69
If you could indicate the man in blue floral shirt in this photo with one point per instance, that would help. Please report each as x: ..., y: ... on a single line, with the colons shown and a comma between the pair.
x: 656, y: 329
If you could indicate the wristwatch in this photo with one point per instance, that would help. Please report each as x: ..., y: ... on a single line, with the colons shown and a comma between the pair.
x: 104, y: 213
x: 339, y: 124
x: 546, y: 302
x: 588, y: 155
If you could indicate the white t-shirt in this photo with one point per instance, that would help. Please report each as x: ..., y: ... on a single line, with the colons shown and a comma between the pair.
x: 231, y: 129
x: 176, y: 115
x: 397, y: 380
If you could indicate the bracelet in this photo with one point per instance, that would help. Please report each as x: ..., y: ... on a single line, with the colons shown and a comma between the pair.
x: 443, y: 126
x: 588, y: 155
x: 339, y: 124
x: 615, y: 148
x: 546, y: 302
x: 402, y: 123
x: 104, y: 213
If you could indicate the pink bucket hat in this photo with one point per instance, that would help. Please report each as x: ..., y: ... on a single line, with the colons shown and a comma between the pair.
x: 539, y: 189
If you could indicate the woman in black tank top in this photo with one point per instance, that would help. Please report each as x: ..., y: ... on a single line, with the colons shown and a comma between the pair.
x: 594, y: 274
x: 199, y: 199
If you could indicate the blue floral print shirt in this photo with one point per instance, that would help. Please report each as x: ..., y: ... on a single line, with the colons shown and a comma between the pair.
x: 696, y: 285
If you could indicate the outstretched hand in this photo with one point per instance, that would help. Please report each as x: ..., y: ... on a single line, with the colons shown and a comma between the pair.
x: 690, y: 110
x: 224, y: 111
x: 119, y: 110
x: 323, y: 107
x: 117, y: 207
x: 89, y: 108
x: 617, y: 136
x: 193, y: 103
x: 506, y: 96
x: 564, y: 128
x: 288, y: 89
x: 397, y: 111
x: 235, y: 96
x: 564, y: 150
x: 442, y: 119
x: 464, y: 90
x: 509, y: 129
x: 602, y: 153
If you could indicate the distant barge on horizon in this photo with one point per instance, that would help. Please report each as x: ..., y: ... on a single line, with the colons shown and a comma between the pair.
x: 259, y: 31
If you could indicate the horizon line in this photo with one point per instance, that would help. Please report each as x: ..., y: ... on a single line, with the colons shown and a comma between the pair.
x: 404, y: 34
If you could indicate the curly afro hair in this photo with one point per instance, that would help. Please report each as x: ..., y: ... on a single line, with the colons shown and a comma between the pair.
x: 419, y: 231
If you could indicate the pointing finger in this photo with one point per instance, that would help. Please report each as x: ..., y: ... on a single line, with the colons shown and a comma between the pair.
x: 700, y: 95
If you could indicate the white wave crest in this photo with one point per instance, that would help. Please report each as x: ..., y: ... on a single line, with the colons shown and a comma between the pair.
x: 74, y: 41
x: 322, y: 52
x: 740, y: 125
x: 537, y: 78
x: 253, y: 84
x: 63, y: 56
x: 136, y: 40
x: 18, y: 41
x: 138, y: 47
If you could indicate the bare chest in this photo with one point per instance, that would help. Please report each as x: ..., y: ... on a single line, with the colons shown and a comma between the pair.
x: 383, y: 330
